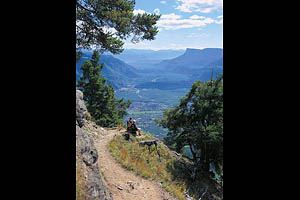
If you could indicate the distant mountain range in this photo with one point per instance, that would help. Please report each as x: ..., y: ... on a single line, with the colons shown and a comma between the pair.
x: 141, y: 59
x: 193, y: 60
x: 166, y: 74
x: 115, y: 71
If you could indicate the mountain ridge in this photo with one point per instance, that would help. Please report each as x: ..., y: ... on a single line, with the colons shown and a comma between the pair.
x: 113, y: 69
x: 192, y: 59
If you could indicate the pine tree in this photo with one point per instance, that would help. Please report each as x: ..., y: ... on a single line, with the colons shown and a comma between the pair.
x: 197, y: 122
x: 105, y: 109
x: 103, y: 24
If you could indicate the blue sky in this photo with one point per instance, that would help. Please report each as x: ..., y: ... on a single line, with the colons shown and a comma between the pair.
x: 183, y: 24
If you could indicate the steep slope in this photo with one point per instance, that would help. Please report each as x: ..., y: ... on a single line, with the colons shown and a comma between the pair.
x: 217, y: 63
x: 118, y: 72
x: 175, y: 173
x: 89, y: 184
x: 115, y: 71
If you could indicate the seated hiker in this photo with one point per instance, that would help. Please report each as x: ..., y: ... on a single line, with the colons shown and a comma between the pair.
x: 135, y: 128
x: 129, y: 123
x: 130, y: 120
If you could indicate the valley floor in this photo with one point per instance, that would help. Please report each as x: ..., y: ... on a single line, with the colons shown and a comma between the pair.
x: 122, y: 183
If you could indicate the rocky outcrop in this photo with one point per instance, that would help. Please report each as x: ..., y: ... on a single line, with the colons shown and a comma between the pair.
x: 89, y: 183
x: 81, y: 111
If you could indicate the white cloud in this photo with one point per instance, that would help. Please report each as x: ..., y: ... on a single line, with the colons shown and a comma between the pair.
x: 170, y: 16
x: 79, y: 24
x: 203, y: 6
x: 197, y: 17
x: 156, y: 11
x: 105, y: 29
x: 174, y: 22
x: 109, y: 30
x: 163, y: 2
x: 219, y: 21
x: 139, y: 11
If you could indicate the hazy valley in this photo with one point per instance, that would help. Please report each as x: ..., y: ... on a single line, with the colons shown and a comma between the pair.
x: 156, y: 80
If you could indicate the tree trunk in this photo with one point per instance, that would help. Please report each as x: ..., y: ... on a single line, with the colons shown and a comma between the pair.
x: 193, y: 153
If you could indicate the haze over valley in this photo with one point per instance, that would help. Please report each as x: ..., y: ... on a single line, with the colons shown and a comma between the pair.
x: 156, y: 80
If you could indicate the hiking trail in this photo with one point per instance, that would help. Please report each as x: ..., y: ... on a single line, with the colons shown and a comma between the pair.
x: 122, y: 183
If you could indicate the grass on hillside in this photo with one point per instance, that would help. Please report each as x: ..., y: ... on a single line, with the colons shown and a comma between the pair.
x: 175, y: 175
x: 147, y: 163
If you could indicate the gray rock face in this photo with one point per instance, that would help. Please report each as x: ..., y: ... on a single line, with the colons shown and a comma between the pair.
x: 86, y: 146
x: 81, y: 111
x: 86, y: 157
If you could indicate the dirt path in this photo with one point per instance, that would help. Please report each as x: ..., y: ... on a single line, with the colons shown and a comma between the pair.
x: 122, y: 183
